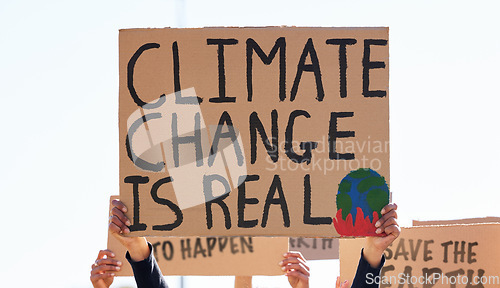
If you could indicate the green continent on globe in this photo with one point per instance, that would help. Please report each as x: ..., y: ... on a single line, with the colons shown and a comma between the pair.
x: 345, y: 186
x: 363, y: 188
x: 344, y: 202
x: 377, y: 199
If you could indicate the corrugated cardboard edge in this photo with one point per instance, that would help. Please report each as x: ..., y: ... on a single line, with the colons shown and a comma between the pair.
x: 488, y: 219
x: 258, y: 27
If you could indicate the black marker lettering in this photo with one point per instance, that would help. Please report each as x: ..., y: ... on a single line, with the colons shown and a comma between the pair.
x: 198, y: 248
x: 209, y: 197
x: 225, y: 120
x: 313, y: 67
x: 308, y: 219
x: 266, y: 59
x: 368, y: 65
x: 186, y: 249
x: 136, y: 180
x: 243, y: 201
x: 334, y: 134
x: 170, y: 204
x: 271, y: 146
x: 342, y: 61
x: 306, y: 146
x: 246, y: 244
x: 177, y: 80
x: 130, y: 71
x: 276, y: 186
x: 222, y: 73
x: 138, y: 161
x: 170, y: 254
x: 193, y: 139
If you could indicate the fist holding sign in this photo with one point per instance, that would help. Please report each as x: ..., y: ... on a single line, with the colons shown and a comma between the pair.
x: 249, y: 131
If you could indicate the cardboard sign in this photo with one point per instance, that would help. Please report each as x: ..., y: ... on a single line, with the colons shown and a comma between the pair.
x: 238, y: 256
x: 277, y: 131
x: 457, y: 221
x: 243, y: 282
x: 434, y: 256
x: 316, y: 248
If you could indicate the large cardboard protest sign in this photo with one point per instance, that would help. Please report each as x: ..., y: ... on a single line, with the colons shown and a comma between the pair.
x: 254, y: 131
x: 316, y: 248
x: 434, y: 256
x: 239, y: 256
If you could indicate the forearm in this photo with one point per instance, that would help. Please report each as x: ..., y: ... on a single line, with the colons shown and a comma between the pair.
x: 366, y: 273
x: 147, y: 274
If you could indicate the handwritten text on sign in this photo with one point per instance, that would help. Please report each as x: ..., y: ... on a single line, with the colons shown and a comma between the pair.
x: 248, y: 131
x: 434, y: 256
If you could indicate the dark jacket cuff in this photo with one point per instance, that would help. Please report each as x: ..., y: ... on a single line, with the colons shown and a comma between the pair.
x: 366, y: 273
x: 147, y: 274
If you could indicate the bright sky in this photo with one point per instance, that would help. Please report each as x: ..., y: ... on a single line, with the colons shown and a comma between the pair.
x: 59, y: 92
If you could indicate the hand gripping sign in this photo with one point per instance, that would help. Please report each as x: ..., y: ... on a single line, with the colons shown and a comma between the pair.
x: 238, y: 256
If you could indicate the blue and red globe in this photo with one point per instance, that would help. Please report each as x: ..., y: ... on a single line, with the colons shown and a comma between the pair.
x: 361, y: 191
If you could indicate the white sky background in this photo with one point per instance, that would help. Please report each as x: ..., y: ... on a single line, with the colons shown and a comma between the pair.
x: 59, y: 117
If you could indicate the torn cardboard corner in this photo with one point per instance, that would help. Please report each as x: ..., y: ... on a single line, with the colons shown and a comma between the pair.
x: 254, y: 131
x: 238, y: 256
x: 460, y: 255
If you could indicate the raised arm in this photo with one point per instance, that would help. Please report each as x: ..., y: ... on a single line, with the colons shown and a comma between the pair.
x: 147, y: 274
x: 372, y: 256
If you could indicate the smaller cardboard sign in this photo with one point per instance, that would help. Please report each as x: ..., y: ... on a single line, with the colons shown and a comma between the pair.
x: 316, y: 248
x: 455, y: 256
x: 210, y: 256
x: 457, y: 221
x: 243, y: 282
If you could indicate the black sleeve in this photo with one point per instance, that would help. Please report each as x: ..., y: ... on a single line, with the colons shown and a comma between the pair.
x: 366, y: 274
x: 147, y: 274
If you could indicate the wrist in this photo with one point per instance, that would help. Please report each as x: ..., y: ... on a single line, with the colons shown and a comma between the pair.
x: 138, y: 248
x: 373, y: 255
